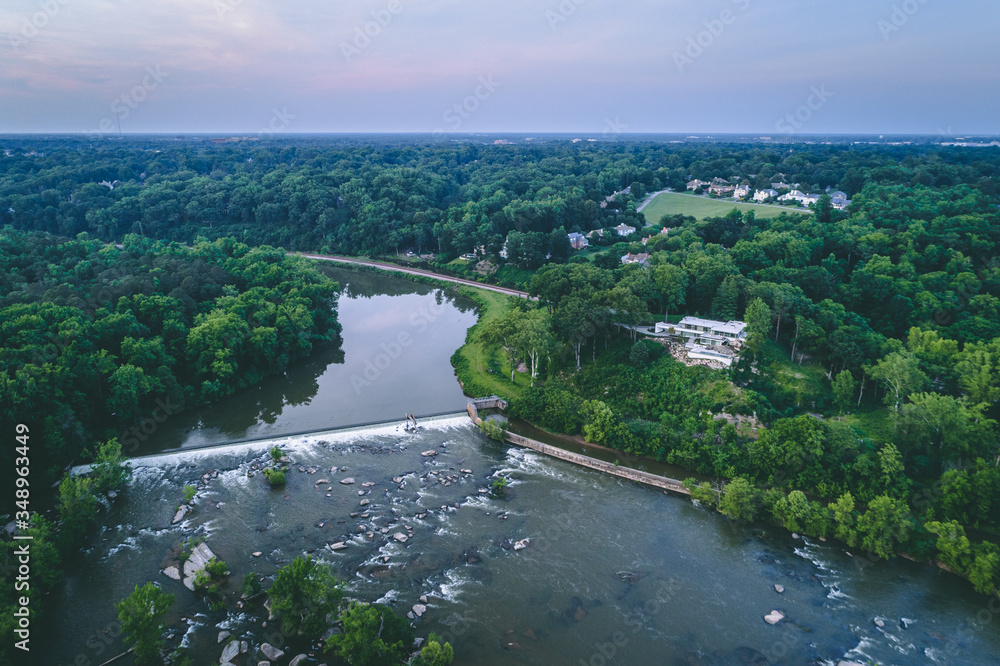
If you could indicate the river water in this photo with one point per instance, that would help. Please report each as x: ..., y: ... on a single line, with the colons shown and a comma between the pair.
x: 615, y: 572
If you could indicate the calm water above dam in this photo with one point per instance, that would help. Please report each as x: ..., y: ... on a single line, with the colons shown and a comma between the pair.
x: 615, y: 573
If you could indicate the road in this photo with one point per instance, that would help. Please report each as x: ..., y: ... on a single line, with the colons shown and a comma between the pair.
x: 415, y: 271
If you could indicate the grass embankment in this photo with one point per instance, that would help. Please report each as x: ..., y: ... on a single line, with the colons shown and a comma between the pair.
x: 700, y: 208
x: 481, y: 370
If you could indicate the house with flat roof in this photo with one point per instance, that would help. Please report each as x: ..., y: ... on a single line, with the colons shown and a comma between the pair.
x: 705, y: 331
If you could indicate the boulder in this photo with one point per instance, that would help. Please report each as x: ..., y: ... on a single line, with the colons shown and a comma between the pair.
x: 340, y: 545
x: 522, y: 544
x: 466, y: 471
x: 348, y: 481
x: 365, y: 502
x: 429, y: 454
x: 400, y: 537
x: 181, y: 512
x: 419, y: 609
x: 257, y: 553
x: 271, y: 652
x: 779, y: 589
x: 223, y: 635
x: 297, y: 660
x: 844, y: 662
x: 172, y: 572
x: 244, y: 647
x: 322, y: 481
x: 229, y: 652
x: 774, y: 617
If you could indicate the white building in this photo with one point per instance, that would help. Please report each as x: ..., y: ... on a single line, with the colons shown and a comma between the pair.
x: 624, y: 229
x: 708, y: 331
x: 764, y: 195
x: 742, y: 192
x: 801, y: 197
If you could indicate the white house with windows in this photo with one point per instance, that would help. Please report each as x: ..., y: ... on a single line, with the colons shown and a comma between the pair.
x: 624, y: 229
x: 801, y: 197
x: 707, y: 331
x: 742, y: 191
x: 761, y: 196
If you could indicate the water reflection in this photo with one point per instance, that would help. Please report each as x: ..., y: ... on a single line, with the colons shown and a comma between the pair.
x: 393, y: 358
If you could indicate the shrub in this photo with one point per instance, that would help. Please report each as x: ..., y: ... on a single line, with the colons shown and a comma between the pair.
x: 189, y: 493
x: 493, y: 429
x: 373, y: 636
x: 275, y: 477
x: 276, y: 453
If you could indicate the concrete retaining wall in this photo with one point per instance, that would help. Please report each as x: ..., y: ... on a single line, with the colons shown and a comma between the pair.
x: 673, y: 485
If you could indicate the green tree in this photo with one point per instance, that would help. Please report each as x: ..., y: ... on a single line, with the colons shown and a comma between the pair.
x: 303, y: 594
x: 434, y: 654
x: 901, y: 375
x: 844, y: 386
x: 758, y: 321
x: 78, y: 507
x: 884, y: 525
x: 598, y: 421
x: 141, y: 616
x: 740, y: 500
x: 844, y: 519
x: 671, y: 282
x: 373, y: 635
x: 110, y: 469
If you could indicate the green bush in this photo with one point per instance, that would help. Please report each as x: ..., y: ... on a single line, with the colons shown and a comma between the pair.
x: 276, y: 453
x: 275, y: 477
x: 189, y: 493
x: 496, y: 430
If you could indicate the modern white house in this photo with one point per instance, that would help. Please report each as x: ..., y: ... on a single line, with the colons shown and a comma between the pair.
x: 764, y: 195
x: 624, y: 229
x: 707, y: 331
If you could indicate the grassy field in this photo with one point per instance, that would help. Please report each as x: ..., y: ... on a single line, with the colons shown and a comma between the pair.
x: 472, y: 361
x: 671, y: 203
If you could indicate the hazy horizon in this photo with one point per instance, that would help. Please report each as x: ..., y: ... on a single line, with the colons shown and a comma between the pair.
x: 817, y: 67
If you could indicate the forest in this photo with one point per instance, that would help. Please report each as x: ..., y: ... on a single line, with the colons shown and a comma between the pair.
x: 865, y: 407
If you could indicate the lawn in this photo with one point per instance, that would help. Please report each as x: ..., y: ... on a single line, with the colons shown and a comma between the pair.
x: 671, y: 203
x: 472, y: 361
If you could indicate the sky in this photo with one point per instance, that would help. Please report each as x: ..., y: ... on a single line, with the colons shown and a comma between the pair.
x: 267, y: 67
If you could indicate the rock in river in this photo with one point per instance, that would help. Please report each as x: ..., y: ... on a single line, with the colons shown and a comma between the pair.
x: 229, y: 652
x: 298, y: 660
x: 779, y: 589
x: 429, y: 454
x: 400, y: 537
x: 348, y: 481
x: 223, y: 635
x: 419, y: 609
x: 774, y: 617
x: 271, y: 652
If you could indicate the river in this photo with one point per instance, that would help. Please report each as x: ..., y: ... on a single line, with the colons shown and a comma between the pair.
x: 614, y: 573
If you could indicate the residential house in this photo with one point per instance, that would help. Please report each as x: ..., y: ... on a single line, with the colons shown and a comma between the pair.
x: 599, y: 233
x: 706, y: 331
x: 761, y: 196
x: 781, y: 185
x: 742, y: 191
x: 722, y: 190
x: 642, y: 259
x: 839, y: 200
x: 624, y: 229
x: 577, y: 241
x: 695, y: 184
x: 801, y: 197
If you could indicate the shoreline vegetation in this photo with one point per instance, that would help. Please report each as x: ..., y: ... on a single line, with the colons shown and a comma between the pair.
x: 738, y: 499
